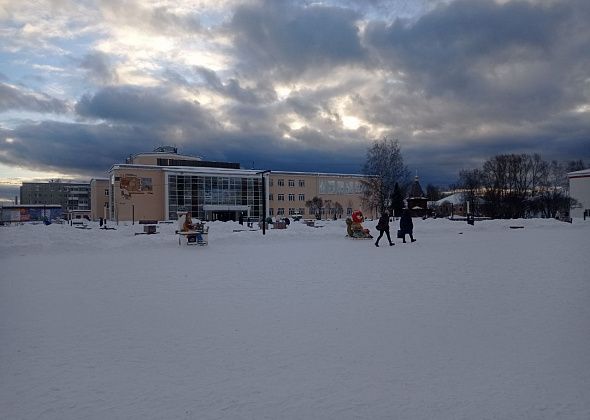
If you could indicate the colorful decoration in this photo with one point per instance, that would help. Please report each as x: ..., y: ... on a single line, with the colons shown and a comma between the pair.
x: 355, y: 228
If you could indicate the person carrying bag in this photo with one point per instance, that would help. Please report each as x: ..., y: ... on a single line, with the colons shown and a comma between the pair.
x: 383, y: 227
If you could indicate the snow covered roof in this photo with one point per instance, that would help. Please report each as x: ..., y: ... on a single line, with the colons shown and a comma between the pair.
x: 579, y: 174
x: 319, y: 174
x: 456, y: 198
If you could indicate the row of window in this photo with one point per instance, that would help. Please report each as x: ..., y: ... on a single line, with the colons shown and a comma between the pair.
x: 281, y: 182
x: 281, y: 211
x: 301, y: 211
x: 281, y: 197
x: 192, y: 192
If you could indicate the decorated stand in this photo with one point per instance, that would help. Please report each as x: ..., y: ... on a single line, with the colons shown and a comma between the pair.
x: 191, y: 233
x: 354, y: 227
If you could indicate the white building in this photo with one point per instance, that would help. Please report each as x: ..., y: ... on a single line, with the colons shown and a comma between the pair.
x: 580, y: 190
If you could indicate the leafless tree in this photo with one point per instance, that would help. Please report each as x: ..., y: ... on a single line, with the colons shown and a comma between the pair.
x: 384, y: 166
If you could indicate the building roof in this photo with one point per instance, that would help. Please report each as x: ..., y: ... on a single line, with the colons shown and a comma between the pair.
x: 457, y: 198
x: 318, y: 174
x: 189, y: 169
x: 170, y: 152
x: 165, y: 155
x: 584, y: 173
x: 416, y: 189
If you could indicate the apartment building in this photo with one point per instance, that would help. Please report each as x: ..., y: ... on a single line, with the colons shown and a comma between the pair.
x: 71, y: 196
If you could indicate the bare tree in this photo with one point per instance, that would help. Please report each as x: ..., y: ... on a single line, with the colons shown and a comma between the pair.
x: 575, y: 165
x: 384, y: 166
x: 432, y: 192
x: 315, y: 206
x: 518, y: 186
x: 470, y: 181
x: 553, y: 197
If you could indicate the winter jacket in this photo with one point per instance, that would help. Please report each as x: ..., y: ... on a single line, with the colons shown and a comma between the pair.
x: 405, y: 223
x: 383, y: 223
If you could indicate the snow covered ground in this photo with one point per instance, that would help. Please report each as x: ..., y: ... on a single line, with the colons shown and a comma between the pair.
x: 470, y: 322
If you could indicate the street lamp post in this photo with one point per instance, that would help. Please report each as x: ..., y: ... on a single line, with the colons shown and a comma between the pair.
x: 263, y: 200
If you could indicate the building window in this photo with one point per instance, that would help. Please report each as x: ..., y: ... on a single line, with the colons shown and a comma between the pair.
x: 271, y: 211
x: 270, y: 197
x: 280, y: 211
x: 301, y: 197
x: 291, y: 211
x: 302, y: 183
x: 270, y: 183
x: 281, y: 197
x: 291, y: 197
x: 302, y: 210
x: 349, y: 211
x: 194, y: 192
x: 291, y: 183
x: 281, y: 182
x: 106, y: 192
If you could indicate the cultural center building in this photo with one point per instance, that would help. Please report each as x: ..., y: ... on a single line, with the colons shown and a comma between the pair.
x: 158, y: 185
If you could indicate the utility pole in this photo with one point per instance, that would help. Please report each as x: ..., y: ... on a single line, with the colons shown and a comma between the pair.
x: 263, y: 200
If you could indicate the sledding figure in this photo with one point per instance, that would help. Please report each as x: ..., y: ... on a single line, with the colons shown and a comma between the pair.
x: 355, y: 228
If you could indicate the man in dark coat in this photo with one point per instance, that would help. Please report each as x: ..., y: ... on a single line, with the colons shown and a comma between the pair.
x: 383, y: 227
x: 406, y: 226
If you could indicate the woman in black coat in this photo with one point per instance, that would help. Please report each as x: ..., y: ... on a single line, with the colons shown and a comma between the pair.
x: 406, y: 226
x: 383, y: 227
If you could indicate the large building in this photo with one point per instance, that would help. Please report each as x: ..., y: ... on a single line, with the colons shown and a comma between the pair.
x: 158, y: 185
x: 580, y: 191
x: 100, y: 201
x: 289, y: 192
x: 73, y: 197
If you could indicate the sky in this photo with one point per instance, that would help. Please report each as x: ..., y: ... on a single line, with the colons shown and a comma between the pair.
x: 290, y: 85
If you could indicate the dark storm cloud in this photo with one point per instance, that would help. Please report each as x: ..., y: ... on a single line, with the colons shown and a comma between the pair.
x: 14, y: 98
x: 514, y: 59
x: 77, y: 148
x: 232, y: 89
x: 141, y: 105
x: 91, y: 149
x: 285, y: 39
x: 264, y: 151
x: 99, y: 68
x: 456, y: 85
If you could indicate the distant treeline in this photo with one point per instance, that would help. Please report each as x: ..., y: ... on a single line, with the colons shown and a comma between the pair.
x: 519, y: 185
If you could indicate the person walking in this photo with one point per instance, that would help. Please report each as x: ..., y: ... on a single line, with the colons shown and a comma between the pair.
x: 406, y: 225
x: 383, y: 227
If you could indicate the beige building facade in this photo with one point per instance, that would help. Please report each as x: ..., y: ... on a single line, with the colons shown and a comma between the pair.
x: 341, y: 194
x: 158, y: 185
x: 99, y: 198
